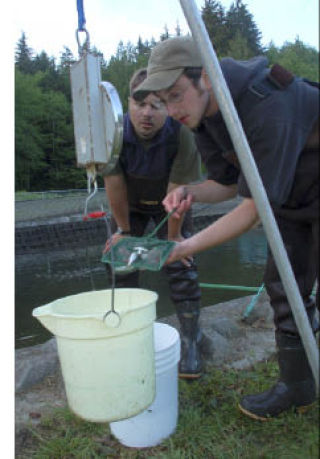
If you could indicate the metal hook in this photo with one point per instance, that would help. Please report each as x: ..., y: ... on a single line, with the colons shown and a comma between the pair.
x: 86, y: 45
x: 91, y: 179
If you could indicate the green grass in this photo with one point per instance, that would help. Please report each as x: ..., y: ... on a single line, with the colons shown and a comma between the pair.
x: 26, y: 196
x: 210, y: 426
x: 36, y: 195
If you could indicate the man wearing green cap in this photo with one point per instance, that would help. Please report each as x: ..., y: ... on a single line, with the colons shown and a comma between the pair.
x: 280, y: 114
x: 158, y: 154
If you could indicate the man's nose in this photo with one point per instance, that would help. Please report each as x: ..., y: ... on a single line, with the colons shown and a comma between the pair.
x: 172, y: 110
x: 147, y: 110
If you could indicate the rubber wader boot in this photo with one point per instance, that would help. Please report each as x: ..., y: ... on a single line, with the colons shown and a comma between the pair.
x: 295, y: 388
x: 190, y: 365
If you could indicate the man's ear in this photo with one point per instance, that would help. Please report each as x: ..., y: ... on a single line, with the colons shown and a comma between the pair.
x: 213, y: 105
x: 206, y: 79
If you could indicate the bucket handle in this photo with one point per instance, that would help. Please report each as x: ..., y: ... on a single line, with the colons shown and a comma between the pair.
x: 112, y: 318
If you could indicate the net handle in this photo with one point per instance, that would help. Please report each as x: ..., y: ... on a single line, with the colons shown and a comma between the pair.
x: 163, y: 221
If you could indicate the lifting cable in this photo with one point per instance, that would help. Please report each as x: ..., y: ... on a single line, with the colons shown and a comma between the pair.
x: 81, y: 28
x: 81, y: 16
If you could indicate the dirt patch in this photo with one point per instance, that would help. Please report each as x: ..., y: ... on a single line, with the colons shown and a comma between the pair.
x: 33, y: 404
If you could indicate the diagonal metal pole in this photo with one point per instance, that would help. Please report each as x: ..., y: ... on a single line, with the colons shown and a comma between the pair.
x: 254, y: 181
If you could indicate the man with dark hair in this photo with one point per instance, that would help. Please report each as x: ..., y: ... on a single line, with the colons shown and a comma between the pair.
x: 158, y: 155
x: 280, y: 116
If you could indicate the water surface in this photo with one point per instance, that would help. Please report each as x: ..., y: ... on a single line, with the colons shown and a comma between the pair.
x: 42, y: 278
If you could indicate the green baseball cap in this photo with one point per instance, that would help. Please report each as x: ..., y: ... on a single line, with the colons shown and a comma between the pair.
x: 167, y: 62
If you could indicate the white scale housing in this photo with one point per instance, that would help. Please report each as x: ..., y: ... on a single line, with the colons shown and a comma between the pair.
x: 97, y: 114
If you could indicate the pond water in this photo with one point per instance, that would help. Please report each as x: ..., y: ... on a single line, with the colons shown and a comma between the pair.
x: 42, y: 278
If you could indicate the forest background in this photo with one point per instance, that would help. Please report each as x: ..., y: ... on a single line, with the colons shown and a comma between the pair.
x: 44, y: 137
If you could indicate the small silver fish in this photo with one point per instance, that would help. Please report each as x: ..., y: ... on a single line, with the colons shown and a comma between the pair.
x: 132, y: 258
x: 138, y: 251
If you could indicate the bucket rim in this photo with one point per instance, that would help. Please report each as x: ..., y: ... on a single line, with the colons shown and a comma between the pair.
x: 47, y: 309
x: 171, y: 340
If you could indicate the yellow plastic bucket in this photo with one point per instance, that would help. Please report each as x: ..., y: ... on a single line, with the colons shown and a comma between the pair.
x: 108, y: 367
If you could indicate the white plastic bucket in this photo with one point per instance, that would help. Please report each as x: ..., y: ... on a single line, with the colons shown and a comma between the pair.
x: 108, y: 368
x: 159, y: 420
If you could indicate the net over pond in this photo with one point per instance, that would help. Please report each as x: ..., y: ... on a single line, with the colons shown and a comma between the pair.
x: 144, y: 253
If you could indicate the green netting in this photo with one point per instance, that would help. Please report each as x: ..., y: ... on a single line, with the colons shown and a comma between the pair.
x: 147, y: 253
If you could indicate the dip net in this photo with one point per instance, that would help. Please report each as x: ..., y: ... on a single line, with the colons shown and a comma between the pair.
x: 144, y: 253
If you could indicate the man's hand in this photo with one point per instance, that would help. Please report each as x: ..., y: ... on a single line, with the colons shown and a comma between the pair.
x: 178, y: 198
x: 178, y: 253
x: 185, y: 260
x: 112, y: 241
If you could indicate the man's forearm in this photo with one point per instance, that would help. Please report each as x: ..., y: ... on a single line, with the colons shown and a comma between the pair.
x: 211, y: 191
x: 116, y: 190
x: 174, y: 224
x: 230, y: 226
x: 174, y: 228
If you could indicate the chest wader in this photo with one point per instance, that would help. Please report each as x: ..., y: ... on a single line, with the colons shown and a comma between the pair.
x: 298, y: 222
x: 146, y: 172
x: 186, y: 294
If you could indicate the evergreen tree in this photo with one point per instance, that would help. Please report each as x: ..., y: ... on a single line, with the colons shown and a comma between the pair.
x: 152, y: 42
x: 165, y: 34
x: 123, y: 64
x: 58, y: 144
x: 131, y: 52
x: 119, y: 72
x: 94, y: 50
x: 62, y: 76
x: 23, y: 56
x: 238, y: 47
x: 44, y: 139
x: 272, y: 52
x: 29, y: 107
x: 239, y: 22
x: 178, y: 30
x: 121, y: 51
x: 67, y: 58
x: 213, y: 15
x: 42, y: 62
x: 141, y: 47
x: 142, y: 53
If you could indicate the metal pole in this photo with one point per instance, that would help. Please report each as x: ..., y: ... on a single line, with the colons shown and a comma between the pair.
x: 252, y: 176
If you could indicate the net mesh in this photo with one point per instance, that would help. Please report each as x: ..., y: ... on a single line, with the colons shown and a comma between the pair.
x: 144, y: 253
